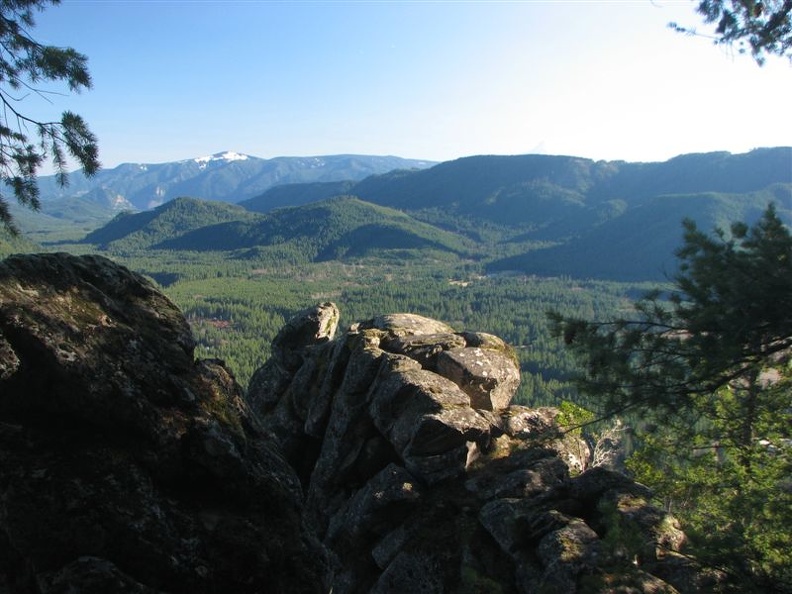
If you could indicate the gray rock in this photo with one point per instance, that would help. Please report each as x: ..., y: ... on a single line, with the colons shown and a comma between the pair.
x: 532, y: 478
x: 530, y: 423
x: 424, y: 348
x: 127, y: 465
x: 575, y: 547
x: 374, y: 504
x: 597, y: 481
x: 406, y: 324
x: 389, y: 546
x: 489, y: 377
x: 92, y: 575
x: 424, y: 414
x: 426, y: 479
x: 411, y: 572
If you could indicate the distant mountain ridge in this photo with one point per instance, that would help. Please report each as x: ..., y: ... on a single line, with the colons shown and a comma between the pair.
x: 559, y: 215
x: 227, y: 176
x: 529, y: 214
x: 499, y: 187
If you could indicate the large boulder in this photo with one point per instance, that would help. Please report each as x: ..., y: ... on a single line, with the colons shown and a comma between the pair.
x: 421, y: 476
x: 127, y: 465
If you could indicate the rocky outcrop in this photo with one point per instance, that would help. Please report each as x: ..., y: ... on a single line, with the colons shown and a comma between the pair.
x: 385, y: 460
x: 421, y: 477
x: 125, y: 464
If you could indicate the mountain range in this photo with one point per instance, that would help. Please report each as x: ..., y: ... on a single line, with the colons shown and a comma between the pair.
x: 556, y: 215
x: 226, y: 176
x: 532, y: 214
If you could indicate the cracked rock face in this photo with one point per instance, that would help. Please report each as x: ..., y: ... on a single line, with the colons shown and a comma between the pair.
x: 125, y: 464
x: 422, y: 477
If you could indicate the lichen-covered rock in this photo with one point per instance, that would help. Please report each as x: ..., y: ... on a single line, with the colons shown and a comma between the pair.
x: 423, y: 477
x: 127, y: 466
x: 425, y: 416
x: 490, y: 377
x: 424, y: 348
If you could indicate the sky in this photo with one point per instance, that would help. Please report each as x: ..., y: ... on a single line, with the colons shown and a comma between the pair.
x: 434, y: 80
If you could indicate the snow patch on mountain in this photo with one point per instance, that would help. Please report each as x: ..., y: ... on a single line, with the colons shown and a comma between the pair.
x: 226, y: 156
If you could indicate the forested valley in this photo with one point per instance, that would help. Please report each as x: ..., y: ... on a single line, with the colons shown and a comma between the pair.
x: 236, y: 305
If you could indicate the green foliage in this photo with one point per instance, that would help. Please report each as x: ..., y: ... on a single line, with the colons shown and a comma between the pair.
x: 710, y: 367
x: 760, y: 27
x: 736, y: 516
x: 572, y: 417
x: 727, y: 318
x: 14, y: 244
x: 24, y: 65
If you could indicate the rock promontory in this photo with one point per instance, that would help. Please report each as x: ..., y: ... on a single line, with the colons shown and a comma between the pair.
x: 386, y: 457
x: 421, y: 476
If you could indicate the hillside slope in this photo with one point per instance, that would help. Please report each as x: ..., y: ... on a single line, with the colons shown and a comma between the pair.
x: 175, y: 218
x: 331, y: 229
x: 296, y: 195
x: 537, y: 189
x: 640, y: 244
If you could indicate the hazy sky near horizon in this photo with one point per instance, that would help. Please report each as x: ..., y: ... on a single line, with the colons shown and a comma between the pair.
x: 436, y: 80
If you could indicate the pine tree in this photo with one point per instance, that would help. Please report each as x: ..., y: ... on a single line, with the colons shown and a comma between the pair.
x: 24, y: 65
x: 708, y: 368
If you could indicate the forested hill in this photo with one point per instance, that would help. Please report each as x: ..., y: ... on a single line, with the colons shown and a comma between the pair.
x: 172, y: 219
x: 502, y: 188
x: 337, y: 228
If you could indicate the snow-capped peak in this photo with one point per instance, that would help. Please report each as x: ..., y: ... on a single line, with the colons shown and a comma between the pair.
x: 224, y: 156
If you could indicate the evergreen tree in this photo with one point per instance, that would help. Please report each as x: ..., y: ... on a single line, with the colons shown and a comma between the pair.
x: 708, y: 367
x: 24, y: 65
x: 764, y: 26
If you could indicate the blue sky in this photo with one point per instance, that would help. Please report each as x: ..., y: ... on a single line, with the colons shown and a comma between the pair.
x: 419, y: 79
